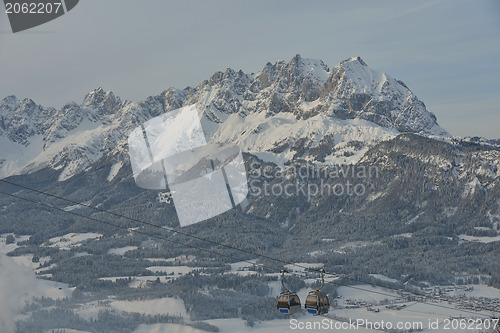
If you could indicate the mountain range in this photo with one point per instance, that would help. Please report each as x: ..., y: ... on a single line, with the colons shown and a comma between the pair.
x: 431, y: 213
x: 290, y: 110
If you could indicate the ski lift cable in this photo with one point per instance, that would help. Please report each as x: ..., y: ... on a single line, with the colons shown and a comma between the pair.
x: 226, y: 255
x: 284, y: 262
x: 300, y: 274
x: 231, y: 247
x: 132, y: 230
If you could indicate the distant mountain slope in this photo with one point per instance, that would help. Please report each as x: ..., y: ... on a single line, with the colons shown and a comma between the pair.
x: 288, y: 111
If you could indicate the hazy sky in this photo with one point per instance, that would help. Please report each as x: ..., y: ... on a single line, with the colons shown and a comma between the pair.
x: 447, y: 52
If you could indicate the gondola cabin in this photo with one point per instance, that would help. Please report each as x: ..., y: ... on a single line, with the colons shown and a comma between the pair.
x: 317, y: 303
x: 288, y: 303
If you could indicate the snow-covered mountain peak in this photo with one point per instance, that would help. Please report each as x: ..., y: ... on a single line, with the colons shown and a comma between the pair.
x: 302, y: 78
x: 309, y: 65
x: 297, y: 69
x: 22, y: 119
x: 102, y: 100
x: 355, y: 91
x: 13, y: 104
x: 9, y: 102
x: 355, y: 59
x: 361, y: 77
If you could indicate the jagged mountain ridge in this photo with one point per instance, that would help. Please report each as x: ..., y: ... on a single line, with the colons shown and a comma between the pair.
x: 290, y: 110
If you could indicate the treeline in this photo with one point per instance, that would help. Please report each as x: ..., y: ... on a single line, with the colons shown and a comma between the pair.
x: 42, y: 321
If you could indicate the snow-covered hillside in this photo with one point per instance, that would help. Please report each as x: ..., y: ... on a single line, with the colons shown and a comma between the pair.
x: 290, y: 110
